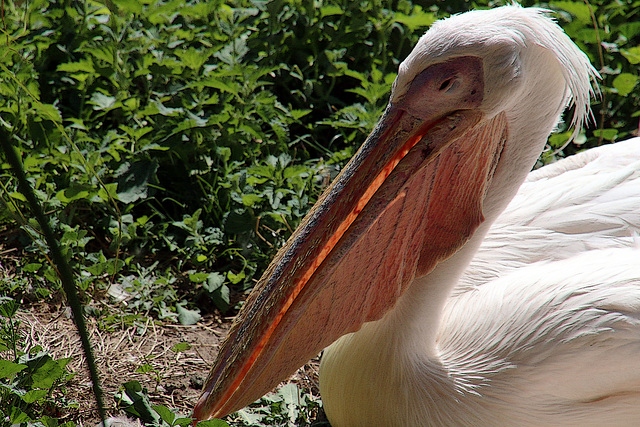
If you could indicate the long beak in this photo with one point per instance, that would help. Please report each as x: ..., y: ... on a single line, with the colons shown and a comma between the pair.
x: 409, y: 198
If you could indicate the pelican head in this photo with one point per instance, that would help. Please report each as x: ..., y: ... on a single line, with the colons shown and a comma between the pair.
x: 468, y: 115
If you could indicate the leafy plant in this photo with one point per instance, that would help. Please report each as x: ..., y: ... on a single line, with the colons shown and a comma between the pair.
x: 609, y: 33
x: 287, y: 406
x: 134, y: 400
x: 31, y: 381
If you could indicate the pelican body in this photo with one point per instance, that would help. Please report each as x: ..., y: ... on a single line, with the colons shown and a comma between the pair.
x: 438, y: 306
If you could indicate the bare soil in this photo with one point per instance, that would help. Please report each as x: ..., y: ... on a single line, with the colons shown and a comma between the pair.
x: 176, y: 379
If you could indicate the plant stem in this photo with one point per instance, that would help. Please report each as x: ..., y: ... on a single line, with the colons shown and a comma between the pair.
x: 64, y: 271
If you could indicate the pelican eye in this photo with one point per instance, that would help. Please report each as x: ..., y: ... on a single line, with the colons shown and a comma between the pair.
x: 446, y: 84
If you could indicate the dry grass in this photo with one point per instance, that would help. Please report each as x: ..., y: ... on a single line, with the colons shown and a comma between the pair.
x: 178, y: 376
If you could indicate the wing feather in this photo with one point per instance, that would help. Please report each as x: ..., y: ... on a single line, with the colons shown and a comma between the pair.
x: 590, y: 201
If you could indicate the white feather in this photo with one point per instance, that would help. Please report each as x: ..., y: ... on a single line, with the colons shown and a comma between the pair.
x: 586, y: 202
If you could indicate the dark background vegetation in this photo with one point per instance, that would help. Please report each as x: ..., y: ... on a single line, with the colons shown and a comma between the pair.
x: 176, y: 144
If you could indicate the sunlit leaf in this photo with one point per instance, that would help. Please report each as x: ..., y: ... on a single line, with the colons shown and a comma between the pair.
x: 624, y: 83
x: 34, y: 395
x: 183, y: 346
x: 102, y: 101
x: 606, y: 134
x: 187, y: 316
x: 577, y: 9
x: 18, y: 196
x: 198, y: 277
x: 48, y: 111
x: 50, y: 372
x: 8, y: 368
x: 84, y: 66
x: 632, y: 54
x: 416, y: 20
x: 330, y: 9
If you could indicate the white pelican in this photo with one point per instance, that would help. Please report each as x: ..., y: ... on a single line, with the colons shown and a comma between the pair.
x: 542, y: 327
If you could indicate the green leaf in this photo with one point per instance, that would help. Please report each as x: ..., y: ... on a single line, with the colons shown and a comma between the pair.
x: 606, y: 134
x: 18, y: 196
x: 250, y: 418
x: 218, y: 291
x: 17, y: 417
x: 134, y: 7
x: 192, y: 58
x: 221, y: 298
x: 9, y: 306
x: 577, y: 9
x: 235, y: 278
x: 183, y: 346
x: 9, y: 369
x: 214, y: 281
x: 215, y: 83
x: 106, y: 266
x: 239, y: 221
x: 630, y: 29
x: 184, y: 422
x: 632, y: 54
x: 166, y: 111
x: 101, y: 54
x: 251, y: 199
x: 34, y: 395
x: 416, y: 20
x: 136, y: 402
x: 48, y: 111
x: 298, y: 114
x: 134, y: 179
x: 145, y: 369
x: 52, y: 370
x: 329, y: 10
x: 198, y: 277
x: 165, y: 413
x: 624, y: 83
x: 77, y: 67
x: 75, y: 192
x: 101, y: 101
x: 213, y: 423
x: 108, y: 190
x: 290, y: 394
x: 186, y: 316
x: 114, y: 265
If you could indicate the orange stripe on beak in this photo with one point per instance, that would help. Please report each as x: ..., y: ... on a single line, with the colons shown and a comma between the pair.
x: 326, y: 250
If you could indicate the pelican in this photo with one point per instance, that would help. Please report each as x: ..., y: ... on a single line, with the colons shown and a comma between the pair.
x: 438, y: 306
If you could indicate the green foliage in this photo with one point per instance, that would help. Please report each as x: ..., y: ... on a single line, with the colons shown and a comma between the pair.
x: 31, y: 381
x: 287, y: 406
x: 135, y: 402
x: 609, y: 32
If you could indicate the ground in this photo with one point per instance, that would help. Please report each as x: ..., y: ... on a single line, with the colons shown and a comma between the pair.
x: 175, y: 378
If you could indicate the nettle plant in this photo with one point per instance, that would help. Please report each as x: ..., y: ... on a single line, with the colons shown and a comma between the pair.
x: 32, y: 383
